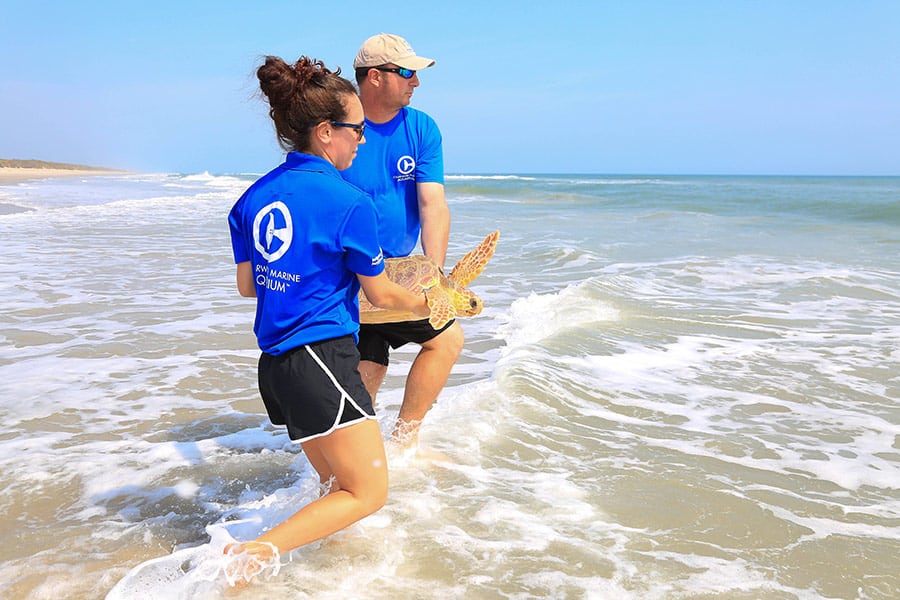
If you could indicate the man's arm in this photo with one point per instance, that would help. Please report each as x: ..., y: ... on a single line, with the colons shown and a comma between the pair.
x: 435, y: 217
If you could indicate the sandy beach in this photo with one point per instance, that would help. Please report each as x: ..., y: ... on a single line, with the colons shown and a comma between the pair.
x: 14, y: 174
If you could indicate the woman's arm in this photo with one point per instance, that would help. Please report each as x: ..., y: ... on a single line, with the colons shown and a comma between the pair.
x: 245, y: 285
x: 384, y: 293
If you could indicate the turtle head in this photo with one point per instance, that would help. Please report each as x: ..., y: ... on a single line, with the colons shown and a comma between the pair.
x: 467, y: 303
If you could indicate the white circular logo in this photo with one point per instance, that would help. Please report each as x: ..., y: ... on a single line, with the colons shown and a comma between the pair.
x: 406, y: 164
x: 273, y: 223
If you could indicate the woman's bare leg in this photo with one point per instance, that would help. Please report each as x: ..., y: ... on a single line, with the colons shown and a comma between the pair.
x: 355, y: 456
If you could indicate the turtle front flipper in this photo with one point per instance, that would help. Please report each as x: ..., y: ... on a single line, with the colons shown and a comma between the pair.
x: 472, y: 264
x: 441, y: 307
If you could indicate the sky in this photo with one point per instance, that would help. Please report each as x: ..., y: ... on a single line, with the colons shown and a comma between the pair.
x: 627, y: 87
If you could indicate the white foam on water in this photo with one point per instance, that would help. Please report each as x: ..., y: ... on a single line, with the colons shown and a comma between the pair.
x: 489, y: 178
x: 761, y: 372
x: 206, y: 571
x: 540, y: 316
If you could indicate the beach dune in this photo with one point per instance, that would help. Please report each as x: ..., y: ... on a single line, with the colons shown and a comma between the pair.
x: 15, y: 170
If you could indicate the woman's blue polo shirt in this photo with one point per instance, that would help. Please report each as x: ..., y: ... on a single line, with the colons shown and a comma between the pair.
x: 307, y: 233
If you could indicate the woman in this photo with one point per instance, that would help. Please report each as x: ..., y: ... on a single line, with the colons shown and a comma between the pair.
x: 304, y: 242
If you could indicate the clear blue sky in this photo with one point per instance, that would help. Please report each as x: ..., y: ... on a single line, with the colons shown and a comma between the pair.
x: 721, y: 86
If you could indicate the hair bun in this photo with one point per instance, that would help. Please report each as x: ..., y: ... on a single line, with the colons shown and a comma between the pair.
x: 300, y: 96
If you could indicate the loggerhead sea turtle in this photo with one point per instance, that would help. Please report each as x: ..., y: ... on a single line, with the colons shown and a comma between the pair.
x: 447, y: 296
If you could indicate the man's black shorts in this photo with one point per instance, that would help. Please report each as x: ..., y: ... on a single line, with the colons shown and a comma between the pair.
x: 374, y: 339
x: 315, y: 389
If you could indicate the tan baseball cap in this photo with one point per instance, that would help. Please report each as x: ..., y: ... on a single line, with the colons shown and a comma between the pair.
x: 385, y: 48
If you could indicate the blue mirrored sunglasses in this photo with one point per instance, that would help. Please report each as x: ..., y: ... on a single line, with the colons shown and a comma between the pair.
x: 404, y: 73
x: 360, y: 128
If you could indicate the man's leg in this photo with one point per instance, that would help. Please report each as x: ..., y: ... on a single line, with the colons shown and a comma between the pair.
x: 427, y: 376
x: 372, y: 374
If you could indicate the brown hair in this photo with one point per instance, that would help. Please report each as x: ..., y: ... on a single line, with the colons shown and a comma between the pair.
x: 301, y: 96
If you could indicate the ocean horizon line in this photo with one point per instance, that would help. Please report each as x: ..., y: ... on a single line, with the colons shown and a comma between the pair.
x: 37, y: 165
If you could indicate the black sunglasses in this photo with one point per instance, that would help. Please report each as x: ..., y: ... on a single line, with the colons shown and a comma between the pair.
x: 359, y: 128
x: 404, y: 73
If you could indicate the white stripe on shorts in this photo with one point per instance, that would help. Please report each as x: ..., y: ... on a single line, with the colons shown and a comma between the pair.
x: 345, y: 397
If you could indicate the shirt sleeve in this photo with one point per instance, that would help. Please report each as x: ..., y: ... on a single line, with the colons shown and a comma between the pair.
x: 359, y: 239
x: 430, y: 159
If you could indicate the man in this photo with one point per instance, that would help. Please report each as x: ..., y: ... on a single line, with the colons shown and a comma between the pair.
x: 401, y: 166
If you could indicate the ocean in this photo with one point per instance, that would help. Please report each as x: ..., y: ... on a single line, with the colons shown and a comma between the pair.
x: 680, y: 387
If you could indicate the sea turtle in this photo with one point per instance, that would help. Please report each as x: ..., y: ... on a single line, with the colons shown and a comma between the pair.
x: 447, y: 296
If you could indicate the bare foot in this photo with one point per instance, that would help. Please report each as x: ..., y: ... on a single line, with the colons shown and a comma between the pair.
x: 249, y: 559
x: 405, y: 435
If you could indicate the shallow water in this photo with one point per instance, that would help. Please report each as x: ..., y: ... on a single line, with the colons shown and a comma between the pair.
x: 679, y: 388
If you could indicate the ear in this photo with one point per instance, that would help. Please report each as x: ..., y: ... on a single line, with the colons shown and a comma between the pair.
x: 322, y: 132
x: 374, y: 76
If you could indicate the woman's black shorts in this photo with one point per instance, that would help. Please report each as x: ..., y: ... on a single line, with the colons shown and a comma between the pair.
x: 315, y: 389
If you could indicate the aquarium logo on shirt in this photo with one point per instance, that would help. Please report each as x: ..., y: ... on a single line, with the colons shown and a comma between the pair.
x: 406, y: 165
x: 273, y: 231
